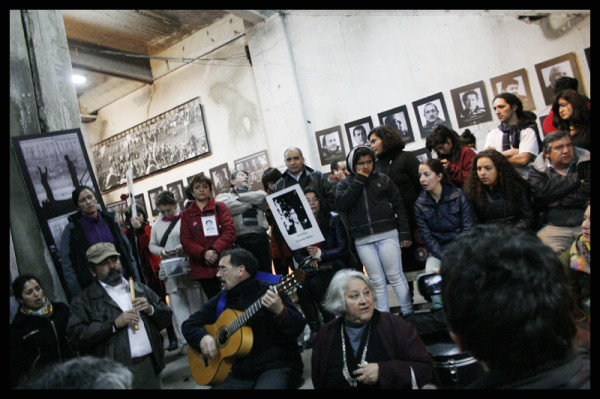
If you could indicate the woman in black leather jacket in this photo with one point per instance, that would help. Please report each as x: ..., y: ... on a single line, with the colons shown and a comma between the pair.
x: 497, y: 192
x: 328, y: 256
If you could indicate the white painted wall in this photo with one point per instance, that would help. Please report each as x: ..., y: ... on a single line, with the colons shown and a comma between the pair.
x: 330, y: 68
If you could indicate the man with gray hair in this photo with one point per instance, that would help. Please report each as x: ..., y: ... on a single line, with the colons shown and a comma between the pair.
x: 247, y: 209
x: 560, y: 178
x: 105, y: 321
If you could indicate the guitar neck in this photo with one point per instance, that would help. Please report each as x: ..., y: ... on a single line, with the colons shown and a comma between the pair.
x: 244, y: 317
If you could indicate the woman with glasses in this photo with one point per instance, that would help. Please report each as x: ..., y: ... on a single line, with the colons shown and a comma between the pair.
x: 202, y: 245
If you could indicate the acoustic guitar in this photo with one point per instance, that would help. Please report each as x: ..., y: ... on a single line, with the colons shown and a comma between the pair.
x: 232, y: 337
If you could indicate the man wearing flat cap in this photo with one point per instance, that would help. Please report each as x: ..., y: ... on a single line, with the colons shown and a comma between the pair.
x: 105, y: 321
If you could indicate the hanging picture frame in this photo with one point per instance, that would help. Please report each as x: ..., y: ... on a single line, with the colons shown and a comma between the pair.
x: 397, y: 118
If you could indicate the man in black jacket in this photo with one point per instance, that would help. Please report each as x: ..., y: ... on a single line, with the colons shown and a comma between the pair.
x: 560, y: 178
x: 274, y: 361
x: 105, y: 321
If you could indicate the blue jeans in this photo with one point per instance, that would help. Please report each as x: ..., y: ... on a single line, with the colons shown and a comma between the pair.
x: 382, y: 259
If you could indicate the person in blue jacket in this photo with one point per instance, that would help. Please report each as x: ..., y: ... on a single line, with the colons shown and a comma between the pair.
x: 442, y: 212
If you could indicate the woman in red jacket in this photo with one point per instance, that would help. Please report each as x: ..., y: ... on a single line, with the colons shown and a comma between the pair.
x: 206, y: 231
x: 453, y: 153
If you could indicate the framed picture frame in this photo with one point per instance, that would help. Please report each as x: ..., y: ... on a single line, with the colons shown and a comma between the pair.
x: 471, y: 104
x: 162, y: 142
x: 255, y: 165
x: 357, y: 131
x: 422, y: 154
x: 52, y: 165
x: 141, y: 202
x: 176, y: 188
x: 398, y: 119
x: 152, y: 199
x: 517, y: 83
x: 118, y: 208
x: 220, y: 177
x: 549, y: 71
x: 331, y: 145
x: 431, y: 111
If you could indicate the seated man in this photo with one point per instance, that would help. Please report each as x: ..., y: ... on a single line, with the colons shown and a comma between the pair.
x: 274, y: 361
x: 560, y: 178
x: 508, y: 302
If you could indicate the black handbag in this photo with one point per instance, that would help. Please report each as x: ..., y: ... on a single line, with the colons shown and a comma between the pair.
x: 452, y: 369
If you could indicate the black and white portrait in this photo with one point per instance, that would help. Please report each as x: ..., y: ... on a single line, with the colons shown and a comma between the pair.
x: 422, y: 154
x: 516, y: 83
x: 471, y: 104
x: 431, y: 111
x: 176, y: 188
x: 331, y: 146
x: 255, y: 165
x: 294, y: 218
x: 358, y: 130
x: 220, y: 177
x: 550, y: 71
x: 397, y: 118
x: 152, y: 198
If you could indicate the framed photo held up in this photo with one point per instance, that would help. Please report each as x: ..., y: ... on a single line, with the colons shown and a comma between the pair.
x: 331, y: 145
x: 549, y: 71
x: 471, y: 104
x: 517, y: 83
x: 52, y: 165
x: 358, y: 130
x: 398, y: 119
x: 431, y: 111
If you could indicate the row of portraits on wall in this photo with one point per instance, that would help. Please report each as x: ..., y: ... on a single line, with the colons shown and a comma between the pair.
x: 470, y: 103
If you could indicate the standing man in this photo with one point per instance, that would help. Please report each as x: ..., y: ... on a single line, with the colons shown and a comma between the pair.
x: 298, y: 173
x: 560, y: 179
x: 338, y: 172
x: 274, y: 361
x: 103, y: 319
x: 517, y: 135
x: 248, y: 211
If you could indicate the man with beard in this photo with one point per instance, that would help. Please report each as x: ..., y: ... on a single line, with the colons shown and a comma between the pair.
x: 105, y: 321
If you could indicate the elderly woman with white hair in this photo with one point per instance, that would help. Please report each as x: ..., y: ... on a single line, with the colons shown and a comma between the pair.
x: 363, y: 347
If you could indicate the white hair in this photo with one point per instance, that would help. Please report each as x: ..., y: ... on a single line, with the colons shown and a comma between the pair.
x: 334, y: 301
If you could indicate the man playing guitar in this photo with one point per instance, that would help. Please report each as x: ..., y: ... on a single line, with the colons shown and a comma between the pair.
x: 264, y: 336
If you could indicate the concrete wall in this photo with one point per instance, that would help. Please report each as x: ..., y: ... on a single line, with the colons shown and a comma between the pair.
x: 312, y: 70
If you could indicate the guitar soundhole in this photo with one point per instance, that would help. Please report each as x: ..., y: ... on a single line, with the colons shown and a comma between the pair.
x: 222, y: 337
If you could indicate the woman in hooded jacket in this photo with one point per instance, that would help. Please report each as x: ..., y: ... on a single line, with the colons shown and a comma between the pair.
x: 378, y: 224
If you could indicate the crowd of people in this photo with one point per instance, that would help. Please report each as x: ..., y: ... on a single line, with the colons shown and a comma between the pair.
x: 507, y: 228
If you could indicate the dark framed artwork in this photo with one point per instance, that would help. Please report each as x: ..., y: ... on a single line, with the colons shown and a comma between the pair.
x: 152, y: 199
x: 176, y: 188
x: 52, y: 165
x: 255, y: 165
x: 171, y: 138
x: 220, y: 177
x: 587, y: 57
x: 517, y: 83
x: 398, y: 119
x: 431, y: 111
x: 141, y: 202
x: 357, y: 131
x: 471, y: 104
x: 118, y: 208
x: 549, y: 71
x: 331, y: 145
x: 422, y: 154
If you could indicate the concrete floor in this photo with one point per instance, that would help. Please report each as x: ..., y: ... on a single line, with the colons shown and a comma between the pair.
x: 177, y: 375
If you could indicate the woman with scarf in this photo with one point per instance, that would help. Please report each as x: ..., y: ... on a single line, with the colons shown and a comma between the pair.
x: 38, y: 335
x: 185, y: 295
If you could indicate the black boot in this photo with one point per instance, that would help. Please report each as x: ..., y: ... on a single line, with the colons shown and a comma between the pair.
x: 173, y: 343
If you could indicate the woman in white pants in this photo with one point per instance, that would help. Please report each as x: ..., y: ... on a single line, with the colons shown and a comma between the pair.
x: 186, y: 296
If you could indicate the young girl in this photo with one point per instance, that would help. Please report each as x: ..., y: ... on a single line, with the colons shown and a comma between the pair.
x: 378, y: 223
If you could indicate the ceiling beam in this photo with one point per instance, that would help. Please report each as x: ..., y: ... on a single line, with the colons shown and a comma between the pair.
x: 252, y: 16
x: 110, y: 62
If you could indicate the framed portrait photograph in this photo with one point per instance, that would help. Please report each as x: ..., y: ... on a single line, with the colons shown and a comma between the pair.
x: 431, y: 111
x: 220, y: 177
x: 176, y: 188
x: 173, y: 137
x: 152, y: 199
x: 255, y: 166
x: 358, y: 130
x: 52, y: 166
x: 548, y: 72
x: 517, y: 83
x: 398, y: 119
x: 119, y: 209
x: 471, y: 104
x: 294, y: 218
x: 422, y: 154
x: 331, y: 145
x: 141, y: 202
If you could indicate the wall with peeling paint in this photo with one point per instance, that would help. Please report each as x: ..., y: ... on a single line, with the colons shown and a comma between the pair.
x: 315, y: 69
